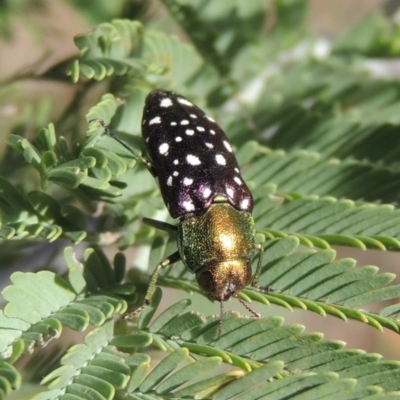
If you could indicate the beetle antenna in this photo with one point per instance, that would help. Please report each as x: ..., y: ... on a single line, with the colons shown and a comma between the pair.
x: 221, y: 317
x: 248, y: 308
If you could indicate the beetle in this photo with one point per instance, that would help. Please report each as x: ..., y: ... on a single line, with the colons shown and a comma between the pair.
x: 201, y: 185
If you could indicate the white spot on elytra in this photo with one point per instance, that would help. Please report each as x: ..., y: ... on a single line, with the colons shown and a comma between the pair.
x: 167, y: 102
x: 220, y: 159
x: 200, y: 128
x: 237, y: 170
x: 227, y: 145
x: 188, y: 205
x: 155, y: 120
x: 147, y: 140
x: 178, y: 139
x: 169, y: 181
x: 193, y: 160
x: 206, y: 192
x: 229, y: 191
x: 163, y: 149
x: 212, y: 131
x: 173, y: 123
x: 209, y: 118
x: 176, y: 162
x: 185, y: 102
x: 175, y: 173
x: 189, y: 132
x: 245, y: 203
x: 193, y: 115
x: 209, y: 145
x: 187, y: 181
x: 184, y: 122
x: 143, y: 122
x: 237, y: 180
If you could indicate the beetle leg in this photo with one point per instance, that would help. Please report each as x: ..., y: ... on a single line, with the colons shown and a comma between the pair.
x: 173, y: 258
x: 137, y: 156
x: 256, y: 275
x: 164, y: 226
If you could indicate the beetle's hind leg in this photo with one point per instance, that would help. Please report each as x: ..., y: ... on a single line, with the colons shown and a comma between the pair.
x: 136, y: 155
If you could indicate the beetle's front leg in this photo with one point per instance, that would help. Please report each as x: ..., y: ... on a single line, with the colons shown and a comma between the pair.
x: 256, y: 275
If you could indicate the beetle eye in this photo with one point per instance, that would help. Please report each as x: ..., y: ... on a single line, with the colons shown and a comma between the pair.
x: 206, y: 281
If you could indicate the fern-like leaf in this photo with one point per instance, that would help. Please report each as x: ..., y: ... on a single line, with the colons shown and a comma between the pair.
x: 40, y: 304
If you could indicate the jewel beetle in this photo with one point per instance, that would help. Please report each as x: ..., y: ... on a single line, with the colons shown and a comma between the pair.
x: 201, y: 185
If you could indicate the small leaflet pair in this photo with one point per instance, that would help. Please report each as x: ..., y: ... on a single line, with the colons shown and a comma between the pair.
x: 200, y: 183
